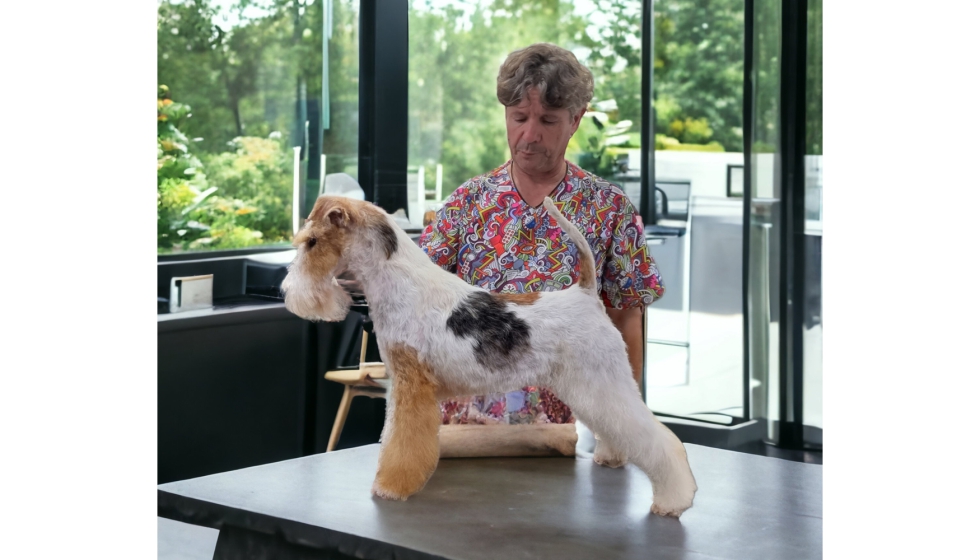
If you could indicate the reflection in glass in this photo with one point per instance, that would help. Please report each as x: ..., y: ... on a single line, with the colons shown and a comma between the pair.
x: 813, y: 162
x: 764, y: 228
x: 341, y: 67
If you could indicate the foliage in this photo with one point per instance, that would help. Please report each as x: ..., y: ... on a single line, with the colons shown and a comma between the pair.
x: 814, y: 78
x: 253, y: 72
x: 247, y: 210
x: 455, y: 50
x: 181, y: 182
x: 243, y: 68
x: 258, y: 171
x: 603, y: 143
x: 698, y: 72
x: 663, y: 142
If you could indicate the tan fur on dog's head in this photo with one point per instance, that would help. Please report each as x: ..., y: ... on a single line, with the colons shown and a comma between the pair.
x: 311, y: 288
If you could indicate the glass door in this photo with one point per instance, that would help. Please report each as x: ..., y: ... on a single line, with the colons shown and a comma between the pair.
x: 784, y: 226
x: 694, y: 362
x: 813, y: 163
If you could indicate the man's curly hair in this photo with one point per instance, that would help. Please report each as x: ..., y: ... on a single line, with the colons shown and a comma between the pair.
x: 561, y: 80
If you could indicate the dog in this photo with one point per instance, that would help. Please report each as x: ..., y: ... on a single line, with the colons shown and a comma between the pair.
x: 441, y: 337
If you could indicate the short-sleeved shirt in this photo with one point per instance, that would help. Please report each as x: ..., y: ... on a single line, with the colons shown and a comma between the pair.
x: 487, y: 235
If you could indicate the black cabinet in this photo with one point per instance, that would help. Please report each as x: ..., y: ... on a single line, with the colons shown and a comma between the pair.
x: 242, y: 384
x: 232, y: 393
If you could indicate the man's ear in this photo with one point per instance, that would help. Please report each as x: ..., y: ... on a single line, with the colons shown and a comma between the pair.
x: 577, y: 119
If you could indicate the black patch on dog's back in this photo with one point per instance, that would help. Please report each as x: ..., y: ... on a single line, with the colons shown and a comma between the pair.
x: 498, y: 332
x: 387, y: 237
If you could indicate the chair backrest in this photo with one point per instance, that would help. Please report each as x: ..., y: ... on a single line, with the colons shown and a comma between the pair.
x: 362, y: 344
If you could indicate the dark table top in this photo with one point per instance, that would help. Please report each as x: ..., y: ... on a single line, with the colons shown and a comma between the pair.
x: 747, y: 506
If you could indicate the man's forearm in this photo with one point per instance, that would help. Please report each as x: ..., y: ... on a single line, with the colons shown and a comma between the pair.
x: 630, y: 325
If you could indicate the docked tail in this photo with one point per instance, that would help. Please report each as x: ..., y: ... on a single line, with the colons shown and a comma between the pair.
x: 586, y: 279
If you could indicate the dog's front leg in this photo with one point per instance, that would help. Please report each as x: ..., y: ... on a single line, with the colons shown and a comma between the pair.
x: 410, y: 439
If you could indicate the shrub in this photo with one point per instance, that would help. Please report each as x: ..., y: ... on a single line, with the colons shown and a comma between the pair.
x: 230, y: 200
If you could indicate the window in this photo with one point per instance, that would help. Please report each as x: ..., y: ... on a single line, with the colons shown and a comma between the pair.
x: 243, y: 117
x: 456, y: 124
x: 694, y: 333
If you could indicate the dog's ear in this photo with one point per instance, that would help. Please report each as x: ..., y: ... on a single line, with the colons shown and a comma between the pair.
x: 329, y: 210
x: 338, y: 216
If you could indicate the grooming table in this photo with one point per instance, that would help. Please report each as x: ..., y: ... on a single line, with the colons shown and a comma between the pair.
x: 320, y: 506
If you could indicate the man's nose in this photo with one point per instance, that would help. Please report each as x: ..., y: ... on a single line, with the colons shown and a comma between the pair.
x: 532, y: 132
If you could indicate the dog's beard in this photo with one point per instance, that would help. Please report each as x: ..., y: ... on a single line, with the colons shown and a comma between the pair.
x: 323, y: 300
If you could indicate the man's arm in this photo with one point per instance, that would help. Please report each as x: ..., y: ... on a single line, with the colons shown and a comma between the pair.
x: 630, y: 325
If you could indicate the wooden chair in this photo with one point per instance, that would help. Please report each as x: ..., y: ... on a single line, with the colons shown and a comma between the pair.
x: 367, y: 379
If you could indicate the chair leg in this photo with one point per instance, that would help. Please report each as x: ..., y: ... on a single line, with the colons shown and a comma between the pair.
x: 338, y: 423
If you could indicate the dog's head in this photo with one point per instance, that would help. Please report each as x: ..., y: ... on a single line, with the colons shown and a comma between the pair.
x: 337, y: 226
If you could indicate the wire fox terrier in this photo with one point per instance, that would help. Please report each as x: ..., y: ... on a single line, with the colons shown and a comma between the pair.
x: 441, y: 337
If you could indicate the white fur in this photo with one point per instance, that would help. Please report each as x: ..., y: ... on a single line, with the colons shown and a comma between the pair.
x: 575, y: 350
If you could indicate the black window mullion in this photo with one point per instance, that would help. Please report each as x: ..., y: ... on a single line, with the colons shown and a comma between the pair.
x: 648, y: 205
x: 792, y: 273
x: 383, y: 106
x: 748, y: 93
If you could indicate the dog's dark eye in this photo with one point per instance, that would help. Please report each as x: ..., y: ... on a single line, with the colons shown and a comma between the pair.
x: 310, y: 242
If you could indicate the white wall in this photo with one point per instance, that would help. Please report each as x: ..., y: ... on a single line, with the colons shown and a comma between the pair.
x: 707, y: 171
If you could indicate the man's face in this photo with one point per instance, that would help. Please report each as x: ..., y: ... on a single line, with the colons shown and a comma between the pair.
x: 537, y: 135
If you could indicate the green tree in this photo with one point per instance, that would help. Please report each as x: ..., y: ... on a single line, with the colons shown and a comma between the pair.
x: 245, y: 69
x: 252, y: 71
x: 698, y: 51
x: 181, y: 183
x: 189, y: 214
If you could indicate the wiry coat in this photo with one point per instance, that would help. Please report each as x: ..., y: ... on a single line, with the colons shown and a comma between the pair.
x: 442, y: 337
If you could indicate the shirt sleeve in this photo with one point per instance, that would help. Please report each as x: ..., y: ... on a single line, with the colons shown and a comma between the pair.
x: 440, y: 239
x: 630, y: 277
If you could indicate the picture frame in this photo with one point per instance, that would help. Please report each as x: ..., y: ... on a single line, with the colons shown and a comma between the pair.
x: 735, y: 181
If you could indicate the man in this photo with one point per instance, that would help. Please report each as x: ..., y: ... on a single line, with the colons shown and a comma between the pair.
x: 494, y: 233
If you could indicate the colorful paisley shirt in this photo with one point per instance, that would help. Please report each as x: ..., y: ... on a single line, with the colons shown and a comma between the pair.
x: 487, y: 235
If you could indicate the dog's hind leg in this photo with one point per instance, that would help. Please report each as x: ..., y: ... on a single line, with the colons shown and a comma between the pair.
x: 410, y: 439
x: 611, y: 406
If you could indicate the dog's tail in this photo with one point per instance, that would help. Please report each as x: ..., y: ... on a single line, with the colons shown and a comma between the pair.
x: 586, y: 279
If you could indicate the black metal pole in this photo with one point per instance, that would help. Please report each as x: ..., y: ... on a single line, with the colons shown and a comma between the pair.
x: 648, y: 203
x: 383, y: 105
x: 748, y: 123
x: 365, y: 97
x: 792, y: 273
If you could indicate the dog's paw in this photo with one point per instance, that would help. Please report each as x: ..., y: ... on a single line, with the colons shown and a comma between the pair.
x: 671, y: 500
x: 606, y: 456
x: 668, y: 511
x: 388, y: 493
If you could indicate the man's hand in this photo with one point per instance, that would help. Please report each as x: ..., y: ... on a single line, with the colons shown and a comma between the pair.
x: 630, y: 325
x: 350, y: 284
